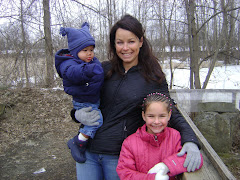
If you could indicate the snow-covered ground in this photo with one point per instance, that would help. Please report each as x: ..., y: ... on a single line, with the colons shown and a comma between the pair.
x: 225, y: 77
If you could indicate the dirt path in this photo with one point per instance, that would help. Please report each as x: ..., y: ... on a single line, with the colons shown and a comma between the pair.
x: 33, y: 134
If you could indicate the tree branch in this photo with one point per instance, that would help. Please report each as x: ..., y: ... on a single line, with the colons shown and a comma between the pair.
x: 214, y: 16
x: 90, y: 8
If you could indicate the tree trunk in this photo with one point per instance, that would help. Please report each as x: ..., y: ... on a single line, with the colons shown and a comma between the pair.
x: 216, y: 51
x: 193, y: 45
x: 49, y: 78
x: 109, y: 15
x: 171, y: 40
x: 24, y: 47
x: 225, y: 27
x: 231, y: 31
x: 215, y: 32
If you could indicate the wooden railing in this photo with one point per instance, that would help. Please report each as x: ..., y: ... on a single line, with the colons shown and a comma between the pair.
x: 213, y: 167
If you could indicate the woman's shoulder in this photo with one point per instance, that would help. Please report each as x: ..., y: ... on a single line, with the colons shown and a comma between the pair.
x: 172, y: 132
x: 131, y: 138
x: 106, y: 64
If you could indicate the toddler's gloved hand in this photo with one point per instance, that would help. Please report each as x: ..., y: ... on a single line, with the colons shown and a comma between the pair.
x: 93, y: 69
x: 87, y: 116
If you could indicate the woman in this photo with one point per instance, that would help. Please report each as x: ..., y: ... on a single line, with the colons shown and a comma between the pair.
x: 132, y: 73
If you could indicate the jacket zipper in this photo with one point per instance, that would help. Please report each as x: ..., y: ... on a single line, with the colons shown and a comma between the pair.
x: 115, y: 95
x: 125, y: 130
x: 116, y: 92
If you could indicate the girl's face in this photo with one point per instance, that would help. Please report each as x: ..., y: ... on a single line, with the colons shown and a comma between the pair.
x: 86, y: 54
x: 127, y: 47
x: 156, y: 117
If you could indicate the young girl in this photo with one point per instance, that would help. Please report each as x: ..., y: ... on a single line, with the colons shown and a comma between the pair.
x: 154, y: 142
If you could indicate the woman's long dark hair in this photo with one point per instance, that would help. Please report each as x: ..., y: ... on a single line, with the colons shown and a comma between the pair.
x: 150, y: 68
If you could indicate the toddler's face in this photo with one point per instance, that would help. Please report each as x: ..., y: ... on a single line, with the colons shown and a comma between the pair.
x: 156, y: 117
x: 86, y: 54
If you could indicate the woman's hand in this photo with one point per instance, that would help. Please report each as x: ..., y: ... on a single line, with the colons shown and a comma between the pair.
x: 87, y: 116
x: 193, y: 159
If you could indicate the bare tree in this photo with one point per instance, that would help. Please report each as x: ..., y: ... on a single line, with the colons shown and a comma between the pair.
x: 229, y: 22
x: 193, y: 45
x: 171, y: 38
x: 111, y: 12
x: 166, y: 26
x: 24, y: 44
x: 49, y: 76
x: 159, y: 10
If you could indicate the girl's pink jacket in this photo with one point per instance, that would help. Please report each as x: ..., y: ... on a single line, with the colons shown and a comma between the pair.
x: 141, y: 151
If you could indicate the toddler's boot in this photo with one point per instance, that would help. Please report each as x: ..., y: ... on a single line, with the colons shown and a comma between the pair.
x: 78, y: 149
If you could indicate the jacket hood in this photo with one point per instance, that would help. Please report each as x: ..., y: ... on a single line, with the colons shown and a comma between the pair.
x: 60, y: 56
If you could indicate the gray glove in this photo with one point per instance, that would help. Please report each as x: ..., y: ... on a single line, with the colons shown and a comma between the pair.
x: 193, y: 159
x: 87, y: 116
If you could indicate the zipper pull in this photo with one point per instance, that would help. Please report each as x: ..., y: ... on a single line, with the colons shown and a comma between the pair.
x: 155, y: 137
x: 125, y: 132
x: 125, y: 128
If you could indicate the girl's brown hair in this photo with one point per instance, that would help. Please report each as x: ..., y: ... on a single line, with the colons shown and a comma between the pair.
x: 156, y: 97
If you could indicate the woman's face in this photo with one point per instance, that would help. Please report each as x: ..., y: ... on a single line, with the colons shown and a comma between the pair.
x: 127, y: 47
x: 156, y: 117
